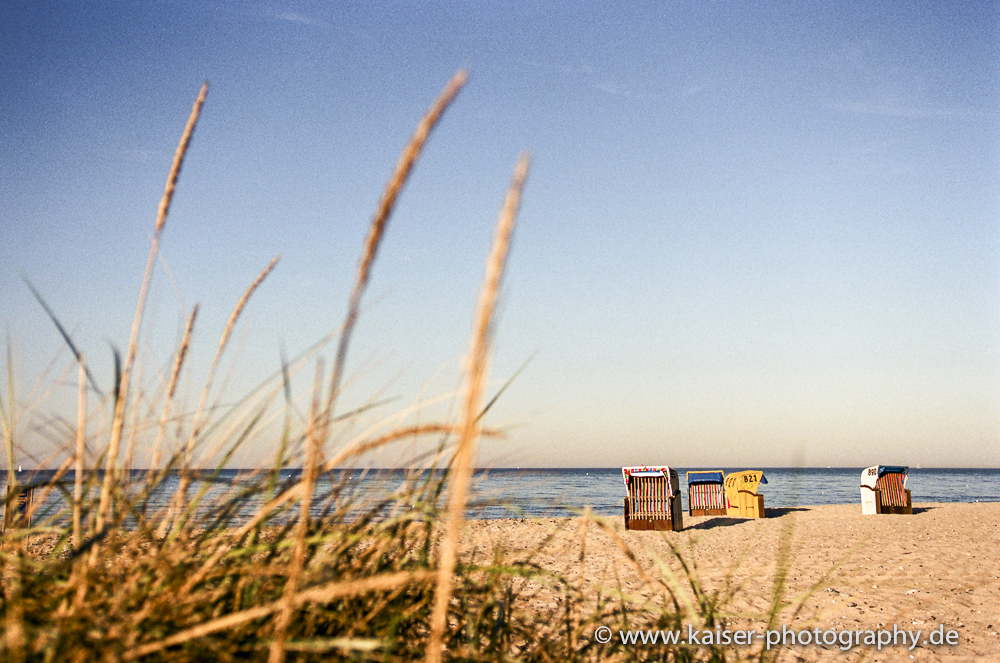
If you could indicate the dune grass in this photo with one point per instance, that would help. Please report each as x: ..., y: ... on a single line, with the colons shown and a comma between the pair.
x: 109, y: 578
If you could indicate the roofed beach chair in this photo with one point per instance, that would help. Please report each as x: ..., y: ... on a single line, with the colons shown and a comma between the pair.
x: 653, y: 498
x: 883, y: 490
x: 742, y: 496
x: 17, y: 508
x: 706, y: 494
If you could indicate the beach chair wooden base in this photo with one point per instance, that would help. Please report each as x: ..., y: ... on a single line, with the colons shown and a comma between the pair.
x: 751, y: 505
x: 900, y: 510
x: 707, y: 512
x: 659, y: 525
x: 674, y: 523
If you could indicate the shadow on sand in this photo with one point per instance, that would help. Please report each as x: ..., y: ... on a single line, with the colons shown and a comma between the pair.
x: 778, y: 512
x: 723, y: 521
x: 719, y: 521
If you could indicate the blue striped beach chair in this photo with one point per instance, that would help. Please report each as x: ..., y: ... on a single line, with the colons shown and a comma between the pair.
x: 706, y: 493
x: 883, y: 490
x: 653, y: 498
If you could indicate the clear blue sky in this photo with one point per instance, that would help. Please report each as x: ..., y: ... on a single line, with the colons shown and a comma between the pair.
x: 753, y: 234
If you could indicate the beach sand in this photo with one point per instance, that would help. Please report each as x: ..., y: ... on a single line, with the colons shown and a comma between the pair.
x: 845, y: 571
x: 940, y: 565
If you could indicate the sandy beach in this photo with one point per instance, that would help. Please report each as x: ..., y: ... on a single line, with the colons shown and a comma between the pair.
x: 845, y: 572
x: 936, y: 567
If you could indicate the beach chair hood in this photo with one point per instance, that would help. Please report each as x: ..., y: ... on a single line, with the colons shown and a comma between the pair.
x: 747, y: 481
x: 705, y: 477
x: 871, y: 475
x: 673, y: 485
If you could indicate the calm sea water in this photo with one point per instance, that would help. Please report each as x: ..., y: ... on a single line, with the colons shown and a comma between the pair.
x: 561, y: 492
x: 504, y: 493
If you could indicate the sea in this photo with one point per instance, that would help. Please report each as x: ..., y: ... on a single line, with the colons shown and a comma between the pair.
x: 537, y: 492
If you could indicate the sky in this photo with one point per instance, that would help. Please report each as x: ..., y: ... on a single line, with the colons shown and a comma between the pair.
x: 760, y: 234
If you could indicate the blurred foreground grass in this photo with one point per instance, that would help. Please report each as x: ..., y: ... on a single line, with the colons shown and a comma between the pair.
x: 385, y: 582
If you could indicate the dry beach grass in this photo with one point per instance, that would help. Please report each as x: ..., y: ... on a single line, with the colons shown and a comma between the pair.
x: 406, y: 577
x: 381, y: 582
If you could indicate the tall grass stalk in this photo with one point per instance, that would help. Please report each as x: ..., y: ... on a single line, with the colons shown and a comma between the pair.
x: 121, y: 393
x: 81, y: 441
x: 133, y: 428
x: 12, y: 550
x: 277, y: 651
x: 376, y: 230
x: 8, y: 419
x: 320, y: 422
x: 478, y: 371
x: 168, y: 403
x: 196, y: 428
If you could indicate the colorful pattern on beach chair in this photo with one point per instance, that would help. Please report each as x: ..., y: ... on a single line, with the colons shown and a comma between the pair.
x: 649, y: 493
x: 892, y: 489
x: 652, y: 500
x: 707, y: 496
x: 706, y: 493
